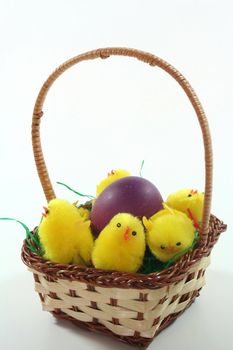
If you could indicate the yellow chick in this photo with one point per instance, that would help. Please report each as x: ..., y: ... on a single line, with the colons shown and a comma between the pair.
x: 64, y: 234
x: 169, y: 232
x: 189, y: 202
x: 120, y: 245
x: 112, y: 176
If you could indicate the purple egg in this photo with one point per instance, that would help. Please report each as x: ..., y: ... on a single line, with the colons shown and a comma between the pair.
x: 131, y: 194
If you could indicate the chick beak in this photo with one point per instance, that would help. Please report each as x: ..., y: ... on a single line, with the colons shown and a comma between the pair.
x: 126, y: 233
x: 45, y: 213
x: 171, y: 249
x: 193, y: 192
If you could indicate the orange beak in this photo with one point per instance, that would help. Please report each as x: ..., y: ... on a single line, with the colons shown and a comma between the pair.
x: 193, y: 192
x: 171, y: 249
x: 45, y: 213
x: 126, y: 233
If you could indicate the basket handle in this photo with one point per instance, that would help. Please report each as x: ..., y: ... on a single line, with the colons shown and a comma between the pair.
x: 153, y: 61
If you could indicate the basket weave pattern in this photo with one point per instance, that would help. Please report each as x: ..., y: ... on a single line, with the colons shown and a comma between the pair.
x: 122, y: 311
x: 132, y: 307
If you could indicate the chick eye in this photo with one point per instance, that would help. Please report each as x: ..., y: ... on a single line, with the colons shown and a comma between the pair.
x: 134, y: 233
x: 178, y: 243
x: 118, y: 225
x: 189, y: 195
x: 162, y: 246
x: 46, y: 211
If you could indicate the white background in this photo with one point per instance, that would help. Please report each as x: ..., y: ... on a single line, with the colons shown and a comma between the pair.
x: 108, y: 114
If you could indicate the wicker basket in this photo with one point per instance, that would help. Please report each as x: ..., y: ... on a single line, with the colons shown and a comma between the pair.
x: 132, y: 307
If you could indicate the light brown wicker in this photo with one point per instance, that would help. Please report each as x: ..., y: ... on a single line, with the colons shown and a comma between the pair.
x: 133, y: 307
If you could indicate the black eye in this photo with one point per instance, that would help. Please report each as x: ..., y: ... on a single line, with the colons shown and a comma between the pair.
x: 189, y: 195
x: 118, y: 225
x: 47, y: 211
x: 162, y: 246
x: 134, y: 233
x: 178, y: 243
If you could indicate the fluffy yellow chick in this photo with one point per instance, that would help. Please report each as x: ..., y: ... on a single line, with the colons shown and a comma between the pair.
x: 120, y: 245
x: 169, y: 232
x: 188, y: 201
x: 112, y: 176
x: 64, y: 234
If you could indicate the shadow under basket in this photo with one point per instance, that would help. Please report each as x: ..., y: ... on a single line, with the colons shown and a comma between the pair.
x: 132, y: 307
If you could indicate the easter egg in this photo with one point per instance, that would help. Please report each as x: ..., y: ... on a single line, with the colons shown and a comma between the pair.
x: 131, y: 194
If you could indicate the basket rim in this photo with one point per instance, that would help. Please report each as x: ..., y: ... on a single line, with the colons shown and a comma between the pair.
x: 109, y: 278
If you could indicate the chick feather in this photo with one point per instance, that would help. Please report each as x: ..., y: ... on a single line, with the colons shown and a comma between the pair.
x: 65, y: 234
x: 168, y: 233
x: 120, y: 245
x: 187, y: 199
x: 112, y: 176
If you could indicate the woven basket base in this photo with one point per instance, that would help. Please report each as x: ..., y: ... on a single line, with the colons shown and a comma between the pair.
x: 135, y: 316
x: 132, y: 307
x: 161, y: 307
x: 134, y: 341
